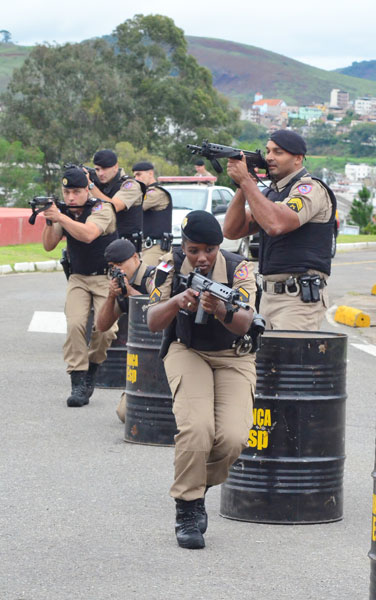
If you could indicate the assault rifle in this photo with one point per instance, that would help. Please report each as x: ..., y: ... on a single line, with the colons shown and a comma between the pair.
x: 40, y: 203
x: 201, y: 284
x: 90, y: 170
x: 117, y: 274
x: 213, y: 152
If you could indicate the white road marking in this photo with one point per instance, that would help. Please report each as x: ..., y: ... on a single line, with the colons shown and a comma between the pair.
x: 329, y: 315
x: 48, y: 322
x: 369, y: 348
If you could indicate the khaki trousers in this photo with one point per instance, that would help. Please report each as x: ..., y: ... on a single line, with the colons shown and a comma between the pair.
x: 213, y: 397
x: 152, y: 256
x: 282, y: 311
x: 83, y: 290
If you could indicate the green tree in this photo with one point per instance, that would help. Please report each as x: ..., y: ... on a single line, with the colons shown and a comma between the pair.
x: 67, y: 100
x: 362, y: 139
x: 362, y: 209
x: 6, y: 37
x: 253, y: 133
x: 176, y: 102
x: 20, y: 173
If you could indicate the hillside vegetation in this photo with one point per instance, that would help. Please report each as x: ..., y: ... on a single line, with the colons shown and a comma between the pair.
x: 11, y: 57
x: 239, y: 71
x: 366, y: 69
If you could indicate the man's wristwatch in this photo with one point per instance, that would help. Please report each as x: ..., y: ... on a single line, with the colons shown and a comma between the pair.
x: 91, y: 185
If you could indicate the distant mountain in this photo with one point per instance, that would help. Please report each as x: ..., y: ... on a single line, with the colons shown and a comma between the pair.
x: 239, y: 71
x: 366, y: 69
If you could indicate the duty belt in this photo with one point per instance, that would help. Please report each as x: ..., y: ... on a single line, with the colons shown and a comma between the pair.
x: 100, y: 272
x: 282, y: 287
x: 150, y: 242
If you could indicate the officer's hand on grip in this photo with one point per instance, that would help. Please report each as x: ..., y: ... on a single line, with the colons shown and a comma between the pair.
x: 114, y: 289
x: 52, y: 213
x: 210, y: 304
x: 188, y: 300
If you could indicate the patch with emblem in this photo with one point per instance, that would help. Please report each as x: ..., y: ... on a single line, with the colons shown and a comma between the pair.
x: 241, y: 273
x: 184, y: 222
x: 166, y: 267
x: 98, y: 206
x: 150, y: 191
x: 296, y: 204
x: 65, y: 181
x: 155, y: 296
x: 304, y: 189
x: 244, y: 296
x: 127, y: 185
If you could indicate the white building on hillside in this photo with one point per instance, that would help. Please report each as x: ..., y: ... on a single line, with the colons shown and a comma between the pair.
x: 359, y: 172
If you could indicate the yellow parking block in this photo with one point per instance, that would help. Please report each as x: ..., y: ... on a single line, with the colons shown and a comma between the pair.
x: 353, y: 317
x: 373, y: 291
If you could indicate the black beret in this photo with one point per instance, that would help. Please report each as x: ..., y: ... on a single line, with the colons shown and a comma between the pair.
x: 199, y: 162
x: 290, y: 141
x: 202, y: 227
x: 74, y: 177
x: 119, y: 251
x: 105, y: 158
x: 143, y: 166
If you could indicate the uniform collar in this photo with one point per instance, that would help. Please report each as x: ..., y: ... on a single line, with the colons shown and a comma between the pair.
x: 282, y: 183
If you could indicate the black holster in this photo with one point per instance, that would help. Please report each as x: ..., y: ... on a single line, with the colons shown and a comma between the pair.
x: 64, y: 261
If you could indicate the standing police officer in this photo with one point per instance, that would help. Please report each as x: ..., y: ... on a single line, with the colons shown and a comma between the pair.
x: 125, y: 193
x: 212, y: 386
x: 89, y: 226
x: 295, y: 217
x: 157, y: 207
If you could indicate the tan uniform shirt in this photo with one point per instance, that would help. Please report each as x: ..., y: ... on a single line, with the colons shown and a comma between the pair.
x: 244, y: 279
x: 130, y: 193
x: 155, y: 199
x: 102, y: 214
x: 137, y: 281
x: 311, y: 201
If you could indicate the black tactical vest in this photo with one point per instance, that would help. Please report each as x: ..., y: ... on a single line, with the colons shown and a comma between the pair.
x: 308, y: 247
x: 122, y: 301
x: 158, y: 222
x: 87, y: 259
x: 213, y: 335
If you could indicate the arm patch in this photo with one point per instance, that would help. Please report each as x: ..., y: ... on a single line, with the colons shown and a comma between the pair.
x: 296, y: 204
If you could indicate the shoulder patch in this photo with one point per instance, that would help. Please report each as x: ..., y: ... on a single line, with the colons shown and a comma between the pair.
x: 98, y: 206
x: 151, y: 190
x: 166, y: 267
x: 304, y: 189
x: 296, y: 204
x: 244, y: 296
x: 127, y: 185
x: 241, y: 273
x: 155, y: 296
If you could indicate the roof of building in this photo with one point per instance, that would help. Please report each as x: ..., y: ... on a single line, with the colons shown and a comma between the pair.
x: 269, y: 101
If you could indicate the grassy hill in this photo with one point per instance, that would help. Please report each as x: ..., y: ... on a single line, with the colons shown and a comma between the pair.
x: 11, y: 57
x: 239, y: 71
x: 366, y: 69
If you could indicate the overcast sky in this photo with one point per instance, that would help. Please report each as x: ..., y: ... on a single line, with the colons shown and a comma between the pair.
x: 324, y: 33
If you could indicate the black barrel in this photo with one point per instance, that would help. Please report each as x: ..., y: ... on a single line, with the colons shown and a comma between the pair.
x: 292, y: 469
x: 112, y: 373
x: 372, y: 552
x: 148, y: 414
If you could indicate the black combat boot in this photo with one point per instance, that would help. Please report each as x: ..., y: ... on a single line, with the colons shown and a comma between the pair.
x: 187, y: 531
x: 90, y: 378
x: 79, y: 395
x: 201, y: 515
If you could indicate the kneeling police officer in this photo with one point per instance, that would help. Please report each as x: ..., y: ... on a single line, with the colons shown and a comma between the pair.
x: 211, y: 384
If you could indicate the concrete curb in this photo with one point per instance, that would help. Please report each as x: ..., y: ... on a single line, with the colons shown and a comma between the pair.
x: 27, y: 267
x: 356, y: 245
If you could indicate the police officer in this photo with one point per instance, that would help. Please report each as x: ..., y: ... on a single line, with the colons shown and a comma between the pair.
x: 89, y: 226
x: 125, y: 193
x: 157, y: 207
x: 295, y: 217
x: 212, y: 386
x: 201, y: 169
x: 137, y: 277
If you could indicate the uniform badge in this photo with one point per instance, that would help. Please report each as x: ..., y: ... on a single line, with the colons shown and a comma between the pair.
x: 98, y: 206
x: 127, y: 185
x: 155, y: 296
x: 304, y: 189
x: 296, y: 204
x: 241, y: 273
x: 184, y: 222
x: 65, y: 181
x: 244, y: 296
x: 166, y: 267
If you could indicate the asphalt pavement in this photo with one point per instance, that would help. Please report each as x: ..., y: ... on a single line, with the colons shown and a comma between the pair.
x: 87, y: 516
